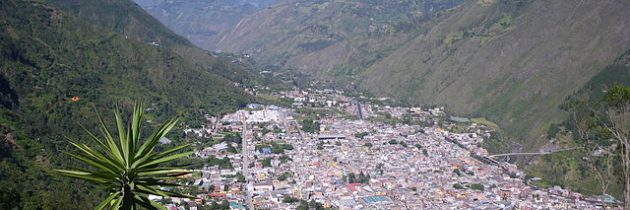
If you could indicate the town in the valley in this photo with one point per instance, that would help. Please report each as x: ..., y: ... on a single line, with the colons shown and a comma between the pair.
x: 325, y: 150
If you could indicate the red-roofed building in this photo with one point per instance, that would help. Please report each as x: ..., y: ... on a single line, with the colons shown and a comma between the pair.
x: 353, y: 186
x: 217, y: 194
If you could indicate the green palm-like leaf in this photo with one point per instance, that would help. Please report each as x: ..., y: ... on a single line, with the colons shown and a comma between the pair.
x: 127, y: 167
x: 107, y: 201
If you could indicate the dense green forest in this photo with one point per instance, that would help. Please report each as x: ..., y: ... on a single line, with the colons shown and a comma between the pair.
x: 63, y: 61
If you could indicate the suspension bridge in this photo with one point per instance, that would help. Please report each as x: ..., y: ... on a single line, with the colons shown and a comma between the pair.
x: 534, y: 153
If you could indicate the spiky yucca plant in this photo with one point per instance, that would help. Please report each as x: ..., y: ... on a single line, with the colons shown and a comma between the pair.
x: 128, y: 168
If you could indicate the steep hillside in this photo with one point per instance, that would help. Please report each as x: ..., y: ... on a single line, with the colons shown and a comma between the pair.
x: 123, y: 17
x: 60, y: 60
x: 511, y: 61
x: 128, y: 19
x: 515, y: 66
x: 202, y: 21
x: 329, y: 38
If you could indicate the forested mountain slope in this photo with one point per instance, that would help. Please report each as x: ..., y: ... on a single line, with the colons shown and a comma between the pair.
x: 514, y: 67
x: 331, y: 38
x: 60, y: 61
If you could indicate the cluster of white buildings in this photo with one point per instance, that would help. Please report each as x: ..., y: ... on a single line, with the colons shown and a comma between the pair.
x: 387, y: 167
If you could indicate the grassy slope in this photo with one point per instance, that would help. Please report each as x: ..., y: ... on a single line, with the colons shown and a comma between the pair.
x: 97, y: 50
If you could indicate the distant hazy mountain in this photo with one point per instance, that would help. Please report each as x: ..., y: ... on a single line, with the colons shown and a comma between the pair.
x: 201, y: 21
